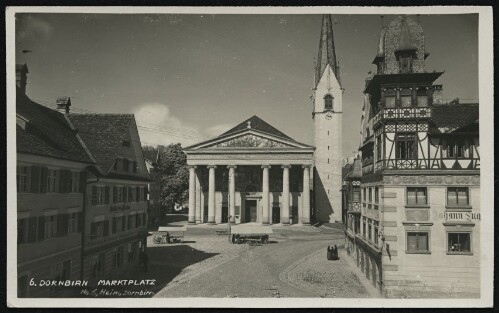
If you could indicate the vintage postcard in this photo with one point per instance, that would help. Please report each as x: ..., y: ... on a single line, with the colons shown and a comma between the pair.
x: 214, y: 156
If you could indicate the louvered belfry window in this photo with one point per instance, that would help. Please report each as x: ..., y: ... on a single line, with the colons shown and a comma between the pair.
x: 328, y: 102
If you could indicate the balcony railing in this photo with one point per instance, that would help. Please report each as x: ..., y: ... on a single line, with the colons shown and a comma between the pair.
x: 401, y: 113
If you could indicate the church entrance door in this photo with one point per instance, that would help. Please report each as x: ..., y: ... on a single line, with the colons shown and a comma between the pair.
x: 250, y: 211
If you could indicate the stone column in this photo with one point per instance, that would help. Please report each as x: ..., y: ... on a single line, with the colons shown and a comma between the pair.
x: 192, y: 195
x: 265, y: 195
x: 199, y: 208
x: 211, y: 194
x: 232, y: 192
x: 306, y: 196
x: 285, y: 195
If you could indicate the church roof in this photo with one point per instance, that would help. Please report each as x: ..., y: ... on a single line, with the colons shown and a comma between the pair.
x: 253, y: 126
x: 257, y: 123
x: 327, y: 52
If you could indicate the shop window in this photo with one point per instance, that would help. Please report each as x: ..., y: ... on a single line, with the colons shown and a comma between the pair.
x: 417, y: 196
x: 406, y: 146
x: 61, y: 271
x: 458, y: 196
x: 458, y: 242
x: 418, y: 242
x: 97, y: 265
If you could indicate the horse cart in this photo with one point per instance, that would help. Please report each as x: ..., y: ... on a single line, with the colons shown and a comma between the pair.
x: 251, y: 234
x: 170, y: 234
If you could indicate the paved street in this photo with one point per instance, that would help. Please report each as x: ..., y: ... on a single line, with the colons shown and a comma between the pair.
x: 293, y: 264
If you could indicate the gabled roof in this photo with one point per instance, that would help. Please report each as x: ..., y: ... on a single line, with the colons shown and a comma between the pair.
x: 103, y: 134
x: 47, y: 132
x: 450, y: 118
x: 251, y: 130
x: 257, y: 123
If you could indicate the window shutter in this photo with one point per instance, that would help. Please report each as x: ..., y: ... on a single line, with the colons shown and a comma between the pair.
x: 145, y: 194
x: 106, y: 194
x: 113, y: 229
x: 35, y: 179
x: 43, y: 179
x: 115, y: 194
x: 125, y: 194
x: 32, y: 229
x: 123, y: 223
x: 83, y: 181
x: 106, y: 227
x: 41, y: 228
x: 94, y: 195
x: 81, y: 222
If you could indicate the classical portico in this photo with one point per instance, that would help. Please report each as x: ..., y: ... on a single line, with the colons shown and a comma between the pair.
x: 251, y: 173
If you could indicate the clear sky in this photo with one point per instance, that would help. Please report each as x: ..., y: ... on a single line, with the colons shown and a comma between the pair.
x: 189, y: 77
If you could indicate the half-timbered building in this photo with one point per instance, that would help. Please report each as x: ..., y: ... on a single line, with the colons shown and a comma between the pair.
x: 420, y: 186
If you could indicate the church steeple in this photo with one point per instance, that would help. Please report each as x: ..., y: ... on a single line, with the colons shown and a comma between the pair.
x: 327, y: 53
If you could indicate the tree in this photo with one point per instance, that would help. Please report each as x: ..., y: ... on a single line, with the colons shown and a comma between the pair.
x: 172, y: 165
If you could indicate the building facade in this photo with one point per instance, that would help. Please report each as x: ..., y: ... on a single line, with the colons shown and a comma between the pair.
x: 251, y: 173
x: 116, y: 204
x: 327, y: 116
x: 52, y: 166
x: 418, y: 230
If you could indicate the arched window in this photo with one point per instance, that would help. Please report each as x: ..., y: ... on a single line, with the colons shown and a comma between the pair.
x: 328, y: 102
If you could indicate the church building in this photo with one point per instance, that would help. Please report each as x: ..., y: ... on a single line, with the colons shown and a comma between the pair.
x: 256, y: 173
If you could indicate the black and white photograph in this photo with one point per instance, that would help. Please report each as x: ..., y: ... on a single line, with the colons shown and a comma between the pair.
x: 250, y: 157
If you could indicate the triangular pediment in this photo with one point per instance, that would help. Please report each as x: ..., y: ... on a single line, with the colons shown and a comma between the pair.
x: 249, y: 139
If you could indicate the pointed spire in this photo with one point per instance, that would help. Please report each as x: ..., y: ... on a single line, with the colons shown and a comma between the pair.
x: 327, y: 53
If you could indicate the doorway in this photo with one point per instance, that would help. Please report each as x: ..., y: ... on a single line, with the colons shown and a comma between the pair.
x: 250, y: 214
x: 276, y: 215
x: 225, y: 214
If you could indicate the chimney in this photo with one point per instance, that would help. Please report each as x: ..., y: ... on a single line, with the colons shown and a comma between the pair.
x: 21, y: 77
x: 63, y: 104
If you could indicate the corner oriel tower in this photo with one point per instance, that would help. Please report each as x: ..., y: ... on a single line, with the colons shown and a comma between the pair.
x: 327, y: 114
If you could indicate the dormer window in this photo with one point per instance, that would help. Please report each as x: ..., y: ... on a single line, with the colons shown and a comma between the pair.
x: 126, y: 143
x: 405, y: 64
x: 328, y: 102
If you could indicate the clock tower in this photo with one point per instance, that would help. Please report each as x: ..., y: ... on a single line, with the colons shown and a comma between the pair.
x: 327, y: 113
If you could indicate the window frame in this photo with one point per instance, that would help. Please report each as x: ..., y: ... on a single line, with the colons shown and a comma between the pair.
x: 52, y: 181
x: 328, y: 102
x: 50, y: 230
x: 455, y: 231
x: 27, y: 177
x: 407, y: 204
x: 457, y: 205
x: 398, y: 140
x: 407, y: 251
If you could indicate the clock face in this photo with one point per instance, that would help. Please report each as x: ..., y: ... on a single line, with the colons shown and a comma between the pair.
x: 329, y: 116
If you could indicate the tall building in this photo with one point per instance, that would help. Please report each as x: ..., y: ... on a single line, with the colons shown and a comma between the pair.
x: 327, y: 115
x: 116, y: 203
x: 52, y: 166
x: 417, y: 230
